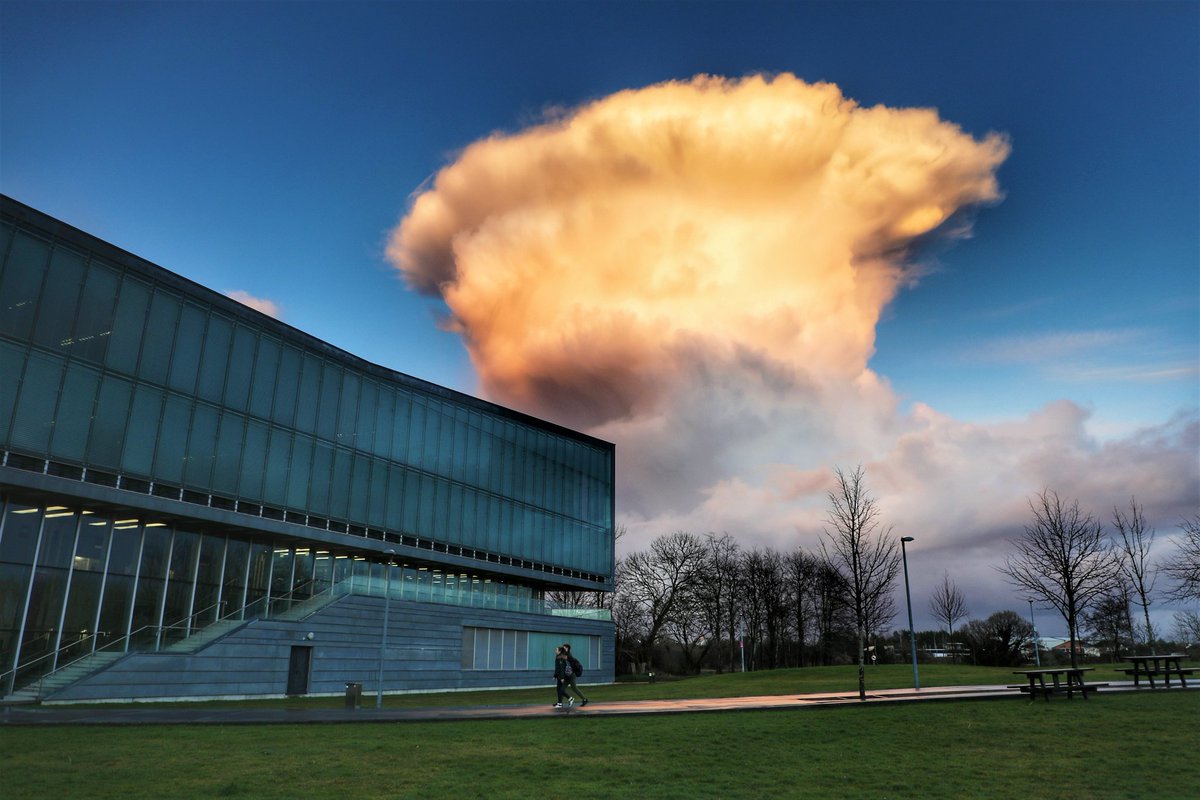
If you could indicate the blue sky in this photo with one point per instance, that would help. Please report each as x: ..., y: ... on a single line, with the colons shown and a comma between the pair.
x: 271, y: 148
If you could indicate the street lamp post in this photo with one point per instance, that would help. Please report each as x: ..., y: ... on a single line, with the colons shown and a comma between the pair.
x: 387, y: 601
x: 912, y: 635
x: 1037, y: 648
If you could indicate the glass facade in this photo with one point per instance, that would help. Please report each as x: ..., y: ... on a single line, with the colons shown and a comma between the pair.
x: 118, y: 374
x: 105, y: 367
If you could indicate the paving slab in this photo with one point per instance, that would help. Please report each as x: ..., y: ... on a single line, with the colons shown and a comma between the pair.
x: 21, y: 715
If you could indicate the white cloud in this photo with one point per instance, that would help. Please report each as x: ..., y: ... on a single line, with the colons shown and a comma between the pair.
x: 268, y: 307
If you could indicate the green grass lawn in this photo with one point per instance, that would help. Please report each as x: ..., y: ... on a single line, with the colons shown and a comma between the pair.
x: 1112, y: 746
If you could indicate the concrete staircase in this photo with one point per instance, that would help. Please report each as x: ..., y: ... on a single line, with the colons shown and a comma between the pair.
x: 307, y: 608
x: 205, y: 636
x: 48, y: 685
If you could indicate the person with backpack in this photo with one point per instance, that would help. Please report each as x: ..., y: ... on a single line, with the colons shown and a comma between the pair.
x: 572, y: 669
x: 560, y: 676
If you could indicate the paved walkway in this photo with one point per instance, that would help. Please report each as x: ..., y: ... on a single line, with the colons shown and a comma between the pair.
x: 232, y: 715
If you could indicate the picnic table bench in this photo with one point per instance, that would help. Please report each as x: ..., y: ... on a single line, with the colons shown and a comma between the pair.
x: 1163, y: 666
x: 1063, y: 680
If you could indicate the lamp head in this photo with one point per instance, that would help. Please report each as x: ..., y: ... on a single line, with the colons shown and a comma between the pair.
x: 906, y: 538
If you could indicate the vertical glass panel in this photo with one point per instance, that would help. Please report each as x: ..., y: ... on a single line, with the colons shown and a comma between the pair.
x: 144, y: 416
x: 426, y: 506
x: 211, y: 383
x: 309, y: 395
x: 91, y: 551
x: 147, y: 604
x: 377, y: 506
x: 331, y: 384
x: 202, y: 445
x: 125, y: 342
x: 302, y: 576
x: 108, y: 428
x: 254, y: 454
x: 241, y: 364
x: 339, y: 485
x: 434, y: 459
x: 318, y: 494
x: 208, y: 580
x: 275, y: 481
x: 21, y: 284
x: 94, y: 320
x: 60, y: 297
x: 233, y: 588
x: 19, y: 537
x: 416, y: 435
x: 394, y: 513
x: 74, y: 416
x: 160, y: 336
x: 17, y: 542
x: 172, y: 438
x: 360, y: 484
x: 229, y: 453
x: 34, y: 417
x: 400, y: 437
x: 348, y: 410
x: 12, y: 360
x: 384, y: 410
x: 185, y: 363
x: 178, y: 608
x: 364, y: 430
x: 281, y: 575
x: 118, y: 585
x: 259, y: 578
x: 266, y: 366
x: 298, y: 473
x: 286, y: 386
x: 322, y: 572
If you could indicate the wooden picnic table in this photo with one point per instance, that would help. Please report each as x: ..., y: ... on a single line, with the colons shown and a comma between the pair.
x: 1064, y: 680
x: 1153, y: 666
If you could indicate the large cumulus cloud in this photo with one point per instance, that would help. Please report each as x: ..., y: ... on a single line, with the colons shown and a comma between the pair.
x: 695, y: 270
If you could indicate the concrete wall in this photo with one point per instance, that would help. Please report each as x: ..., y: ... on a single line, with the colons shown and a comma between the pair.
x: 424, y: 654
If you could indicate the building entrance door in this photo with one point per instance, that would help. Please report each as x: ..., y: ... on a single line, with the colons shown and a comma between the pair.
x: 298, y: 667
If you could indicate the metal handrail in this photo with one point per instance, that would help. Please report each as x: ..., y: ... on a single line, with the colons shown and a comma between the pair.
x: 13, y: 672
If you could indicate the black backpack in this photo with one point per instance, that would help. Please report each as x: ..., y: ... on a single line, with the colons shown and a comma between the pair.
x: 576, y: 667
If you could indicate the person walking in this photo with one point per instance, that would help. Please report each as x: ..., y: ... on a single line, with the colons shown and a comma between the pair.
x: 560, y: 675
x: 572, y: 669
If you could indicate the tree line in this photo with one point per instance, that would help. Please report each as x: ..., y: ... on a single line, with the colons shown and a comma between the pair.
x: 690, y: 602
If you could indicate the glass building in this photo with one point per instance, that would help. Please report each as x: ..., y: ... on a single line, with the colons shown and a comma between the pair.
x: 198, y: 500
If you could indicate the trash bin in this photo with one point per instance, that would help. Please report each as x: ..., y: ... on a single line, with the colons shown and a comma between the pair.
x: 353, y: 694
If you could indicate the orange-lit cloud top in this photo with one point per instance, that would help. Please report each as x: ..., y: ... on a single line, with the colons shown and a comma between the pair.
x: 597, y: 262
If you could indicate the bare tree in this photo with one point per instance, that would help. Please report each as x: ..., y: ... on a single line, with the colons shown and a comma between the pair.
x: 657, y: 580
x: 948, y: 605
x: 868, y: 558
x: 1184, y: 568
x: 802, y: 569
x: 1187, y: 626
x: 1064, y: 559
x: 1137, y: 539
x: 1109, y: 620
x: 717, y: 592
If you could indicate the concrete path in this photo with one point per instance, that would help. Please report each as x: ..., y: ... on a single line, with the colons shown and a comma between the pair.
x: 233, y: 715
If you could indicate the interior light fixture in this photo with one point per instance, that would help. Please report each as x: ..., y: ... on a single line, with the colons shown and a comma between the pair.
x: 25, y: 511
x: 156, y: 524
x: 56, y: 508
x: 60, y: 514
x: 126, y: 522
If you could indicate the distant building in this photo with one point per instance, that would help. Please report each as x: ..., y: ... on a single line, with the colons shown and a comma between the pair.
x: 197, y: 500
